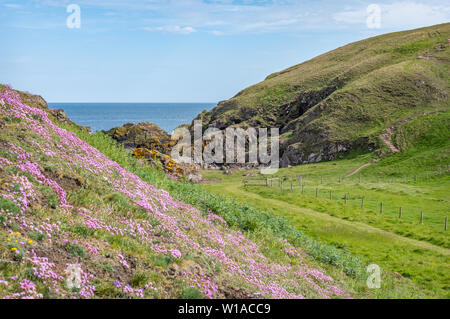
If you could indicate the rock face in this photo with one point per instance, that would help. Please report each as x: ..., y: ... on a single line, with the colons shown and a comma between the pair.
x: 39, y: 102
x: 142, y: 135
x: 61, y: 116
x: 344, y: 100
x: 149, y: 142
x: 34, y: 100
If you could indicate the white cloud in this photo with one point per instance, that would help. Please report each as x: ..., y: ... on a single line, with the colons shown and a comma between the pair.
x: 355, y: 16
x: 216, y: 32
x: 266, y: 25
x: 400, y: 15
x: 173, y: 29
x: 12, y: 5
x: 259, y: 16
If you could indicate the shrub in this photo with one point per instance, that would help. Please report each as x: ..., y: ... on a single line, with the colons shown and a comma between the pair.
x: 117, y: 198
x: 191, y: 293
x: 414, y: 47
x: 163, y: 261
x: 49, y: 168
x: 50, y: 196
x: 108, y: 268
x: 139, y: 280
x: 37, y: 236
x: 83, y: 231
x: 8, y: 205
x: 74, y: 249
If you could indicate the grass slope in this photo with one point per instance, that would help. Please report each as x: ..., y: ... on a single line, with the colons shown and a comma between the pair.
x: 240, y: 212
x: 413, y: 250
x: 65, y: 202
x: 348, y: 96
x: 82, y: 213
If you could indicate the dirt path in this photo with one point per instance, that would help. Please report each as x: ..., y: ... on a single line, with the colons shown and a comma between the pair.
x: 356, y: 171
x: 386, y: 138
x: 351, y: 226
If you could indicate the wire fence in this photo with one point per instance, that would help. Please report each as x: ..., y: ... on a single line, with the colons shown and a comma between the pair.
x: 327, y: 187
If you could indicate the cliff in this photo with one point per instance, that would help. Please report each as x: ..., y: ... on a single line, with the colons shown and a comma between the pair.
x: 346, y: 99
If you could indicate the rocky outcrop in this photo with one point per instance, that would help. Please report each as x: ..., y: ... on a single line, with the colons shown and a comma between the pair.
x: 61, y: 116
x: 296, y: 154
x: 151, y: 143
x: 142, y: 135
x: 34, y: 100
x: 168, y: 164
x: 39, y: 102
x: 345, y: 99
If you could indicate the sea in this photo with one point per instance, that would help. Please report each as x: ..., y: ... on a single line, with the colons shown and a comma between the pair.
x: 104, y: 116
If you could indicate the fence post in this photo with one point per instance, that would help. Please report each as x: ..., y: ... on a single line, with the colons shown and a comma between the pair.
x: 303, y: 189
x: 381, y: 207
x: 421, y: 217
x: 400, y: 213
x: 345, y: 199
x: 362, y: 202
x: 291, y: 187
x: 392, y: 181
x: 317, y: 192
x: 339, y: 179
x: 415, y: 178
x: 331, y: 195
x: 445, y: 223
x: 301, y: 180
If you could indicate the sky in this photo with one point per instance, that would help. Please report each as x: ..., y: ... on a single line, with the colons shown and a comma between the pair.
x: 181, y: 50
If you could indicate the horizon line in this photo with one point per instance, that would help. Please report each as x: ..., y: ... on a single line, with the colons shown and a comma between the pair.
x: 133, y: 102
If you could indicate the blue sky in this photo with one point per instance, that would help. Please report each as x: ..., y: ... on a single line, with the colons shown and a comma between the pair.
x: 180, y: 50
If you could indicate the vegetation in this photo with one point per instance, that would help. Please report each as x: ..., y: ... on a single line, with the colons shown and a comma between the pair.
x: 83, y: 200
x: 262, y: 224
x: 401, y: 245
x: 127, y: 238
x: 347, y: 97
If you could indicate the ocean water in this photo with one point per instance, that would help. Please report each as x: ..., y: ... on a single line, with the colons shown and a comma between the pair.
x: 103, y: 116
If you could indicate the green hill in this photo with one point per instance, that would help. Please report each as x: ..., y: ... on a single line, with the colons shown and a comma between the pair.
x: 346, y: 99
x: 71, y: 197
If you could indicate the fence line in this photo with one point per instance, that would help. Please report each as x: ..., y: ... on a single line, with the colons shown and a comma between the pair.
x: 271, y: 182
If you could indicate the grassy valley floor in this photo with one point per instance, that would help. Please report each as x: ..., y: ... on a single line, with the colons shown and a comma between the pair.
x: 404, y: 246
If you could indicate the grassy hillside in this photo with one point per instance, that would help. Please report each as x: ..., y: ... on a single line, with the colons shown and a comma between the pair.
x: 345, y: 99
x: 388, y: 210
x: 344, y: 211
x: 69, y: 197
x: 65, y: 202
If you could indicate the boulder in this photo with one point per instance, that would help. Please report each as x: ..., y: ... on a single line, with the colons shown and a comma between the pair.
x: 142, y: 135
x: 61, y: 116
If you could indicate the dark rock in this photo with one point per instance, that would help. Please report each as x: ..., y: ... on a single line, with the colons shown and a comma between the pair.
x: 61, y: 116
